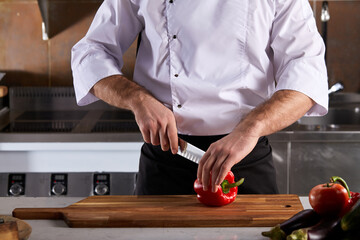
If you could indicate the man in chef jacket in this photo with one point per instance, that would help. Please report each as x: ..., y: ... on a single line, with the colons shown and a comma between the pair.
x: 219, y: 74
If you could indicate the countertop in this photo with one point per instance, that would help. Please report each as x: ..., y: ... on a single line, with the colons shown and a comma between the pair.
x: 57, y: 229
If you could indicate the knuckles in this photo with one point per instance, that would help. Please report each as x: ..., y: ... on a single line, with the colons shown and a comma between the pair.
x: 225, y: 167
x: 207, y: 168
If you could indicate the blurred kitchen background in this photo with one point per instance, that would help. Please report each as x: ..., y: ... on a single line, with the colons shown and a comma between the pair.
x: 28, y: 60
x: 51, y: 147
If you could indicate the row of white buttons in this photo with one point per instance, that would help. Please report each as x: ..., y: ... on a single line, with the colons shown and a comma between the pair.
x: 175, y: 75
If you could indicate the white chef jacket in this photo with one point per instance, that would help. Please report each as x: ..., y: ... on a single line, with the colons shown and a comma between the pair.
x: 210, y: 61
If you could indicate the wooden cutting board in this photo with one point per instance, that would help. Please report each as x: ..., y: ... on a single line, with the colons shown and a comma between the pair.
x: 170, y: 211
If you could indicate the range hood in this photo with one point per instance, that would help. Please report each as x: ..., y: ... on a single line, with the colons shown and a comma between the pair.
x: 44, y: 10
x: 60, y: 14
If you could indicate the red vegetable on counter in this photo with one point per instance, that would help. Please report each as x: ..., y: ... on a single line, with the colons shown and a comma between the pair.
x: 225, y: 194
x: 330, y: 199
x: 354, y: 196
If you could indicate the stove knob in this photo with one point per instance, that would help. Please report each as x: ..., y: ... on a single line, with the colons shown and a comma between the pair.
x: 16, y: 189
x: 58, y: 189
x: 101, y: 189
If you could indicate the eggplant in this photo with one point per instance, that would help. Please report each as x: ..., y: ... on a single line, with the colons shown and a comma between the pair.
x: 352, y: 235
x: 326, y: 229
x: 303, y: 219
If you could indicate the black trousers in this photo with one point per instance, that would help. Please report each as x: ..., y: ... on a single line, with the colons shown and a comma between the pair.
x: 162, y: 173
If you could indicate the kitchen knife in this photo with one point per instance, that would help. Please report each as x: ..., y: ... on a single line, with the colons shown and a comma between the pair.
x: 191, y: 152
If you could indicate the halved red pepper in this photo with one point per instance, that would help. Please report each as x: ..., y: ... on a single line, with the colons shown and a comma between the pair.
x: 353, y: 196
x: 225, y: 194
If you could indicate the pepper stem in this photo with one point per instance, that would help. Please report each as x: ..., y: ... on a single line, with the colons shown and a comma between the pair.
x: 226, y: 186
x: 275, y: 233
x: 300, y: 234
x: 342, y: 182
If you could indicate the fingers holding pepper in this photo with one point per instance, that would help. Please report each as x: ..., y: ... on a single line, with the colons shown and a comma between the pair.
x: 225, y: 194
x: 204, y: 169
x: 222, y: 155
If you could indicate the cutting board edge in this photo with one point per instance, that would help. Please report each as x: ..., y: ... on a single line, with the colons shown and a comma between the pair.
x: 170, y: 224
x: 62, y: 213
x: 42, y: 213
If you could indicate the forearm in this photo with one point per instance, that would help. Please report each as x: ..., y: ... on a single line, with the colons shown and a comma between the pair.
x: 156, y: 122
x: 281, y: 110
x: 120, y: 92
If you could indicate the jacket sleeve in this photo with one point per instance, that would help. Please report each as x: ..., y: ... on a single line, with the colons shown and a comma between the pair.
x: 298, y: 53
x: 100, y: 53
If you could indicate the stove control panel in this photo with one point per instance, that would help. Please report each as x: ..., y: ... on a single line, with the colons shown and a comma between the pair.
x: 66, y: 184
x: 16, y: 184
x: 101, y: 184
x: 59, y: 184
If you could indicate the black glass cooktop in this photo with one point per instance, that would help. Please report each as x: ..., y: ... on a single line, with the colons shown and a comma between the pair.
x: 116, y: 115
x: 33, y: 127
x: 67, y: 121
x: 51, y: 115
x: 123, y: 126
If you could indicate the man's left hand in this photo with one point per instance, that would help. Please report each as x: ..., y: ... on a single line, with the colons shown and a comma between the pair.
x: 222, y: 155
x: 280, y: 111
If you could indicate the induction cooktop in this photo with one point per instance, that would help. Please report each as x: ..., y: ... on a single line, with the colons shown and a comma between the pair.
x: 54, y: 109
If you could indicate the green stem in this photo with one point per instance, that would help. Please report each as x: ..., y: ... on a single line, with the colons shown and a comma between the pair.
x: 226, y: 186
x: 275, y: 233
x: 236, y: 184
x: 334, y: 179
x: 300, y: 234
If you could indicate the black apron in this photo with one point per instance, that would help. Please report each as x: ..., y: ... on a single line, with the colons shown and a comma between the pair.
x: 162, y: 173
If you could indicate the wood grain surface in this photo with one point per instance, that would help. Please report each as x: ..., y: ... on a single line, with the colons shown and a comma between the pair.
x: 170, y: 211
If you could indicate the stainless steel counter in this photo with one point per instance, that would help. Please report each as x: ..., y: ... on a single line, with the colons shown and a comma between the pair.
x: 58, y: 230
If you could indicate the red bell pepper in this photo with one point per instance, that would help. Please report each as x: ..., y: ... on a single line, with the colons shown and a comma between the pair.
x: 225, y: 194
x: 353, y: 196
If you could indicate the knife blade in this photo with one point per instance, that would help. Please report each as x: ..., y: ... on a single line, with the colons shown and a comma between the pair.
x: 191, y: 152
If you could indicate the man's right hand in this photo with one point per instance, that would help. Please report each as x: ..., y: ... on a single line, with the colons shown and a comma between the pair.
x: 157, y: 124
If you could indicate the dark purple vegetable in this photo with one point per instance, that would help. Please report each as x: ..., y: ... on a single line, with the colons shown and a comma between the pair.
x: 303, y: 219
x: 326, y: 229
x: 351, y: 235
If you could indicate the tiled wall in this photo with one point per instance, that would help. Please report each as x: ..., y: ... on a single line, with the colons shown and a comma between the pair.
x: 343, y: 42
x: 30, y: 61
